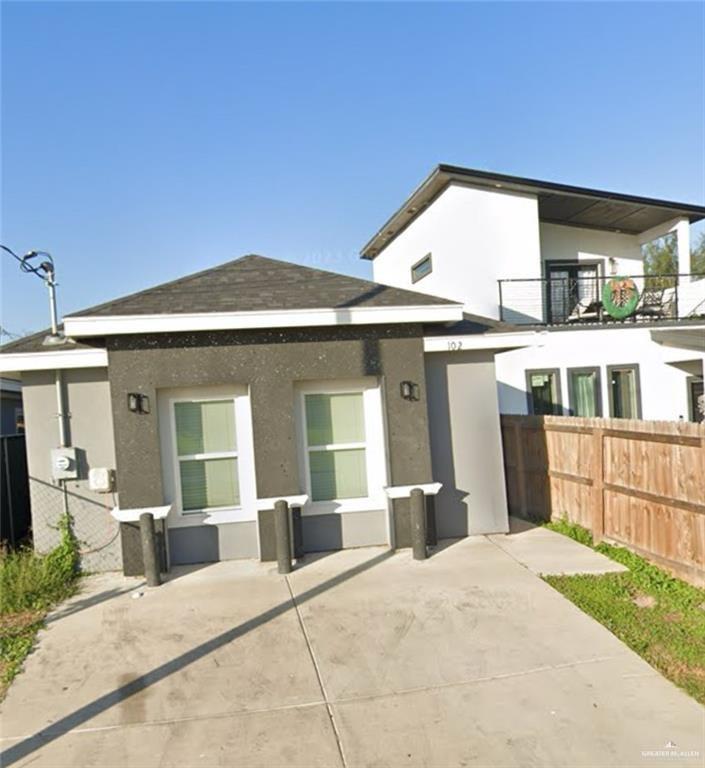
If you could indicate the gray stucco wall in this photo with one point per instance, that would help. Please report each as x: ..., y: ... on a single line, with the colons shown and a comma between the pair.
x: 270, y: 363
x: 466, y: 443
x: 91, y: 430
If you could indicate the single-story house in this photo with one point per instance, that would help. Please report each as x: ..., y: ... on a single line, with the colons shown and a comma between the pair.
x: 217, y: 394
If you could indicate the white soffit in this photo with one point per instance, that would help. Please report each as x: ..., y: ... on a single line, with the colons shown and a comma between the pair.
x: 109, y: 325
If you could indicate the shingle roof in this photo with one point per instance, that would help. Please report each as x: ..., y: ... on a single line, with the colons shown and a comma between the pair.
x: 256, y: 283
x: 248, y: 284
x: 35, y: 343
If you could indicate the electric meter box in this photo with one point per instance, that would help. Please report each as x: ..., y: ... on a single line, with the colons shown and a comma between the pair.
x: 101, y: 479
x: 64, y: 464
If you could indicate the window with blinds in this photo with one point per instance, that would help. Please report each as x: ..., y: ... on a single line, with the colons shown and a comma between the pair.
x: 206, y: 447
x: 336, y: 446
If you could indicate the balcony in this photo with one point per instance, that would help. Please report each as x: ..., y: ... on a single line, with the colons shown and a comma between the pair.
x: 592, y: 299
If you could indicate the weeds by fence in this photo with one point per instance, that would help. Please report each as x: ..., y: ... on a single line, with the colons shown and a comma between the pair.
x: 29, y: 585
x: 637, y: 483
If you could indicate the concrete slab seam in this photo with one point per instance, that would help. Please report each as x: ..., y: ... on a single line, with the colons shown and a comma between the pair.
x: 319, y: 677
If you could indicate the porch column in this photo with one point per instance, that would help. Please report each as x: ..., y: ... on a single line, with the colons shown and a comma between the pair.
x: 682, y: 230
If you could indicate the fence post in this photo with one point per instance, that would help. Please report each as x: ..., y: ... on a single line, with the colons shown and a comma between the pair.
x: 598, y: 483
x: 282, y: 536
x: 520, y: 470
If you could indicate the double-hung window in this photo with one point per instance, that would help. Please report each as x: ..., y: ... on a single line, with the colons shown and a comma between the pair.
x: 206, y: 454
x: 624, y: 389
x: 544, y: 392
x: 336, y: 446
x: 584, y: 386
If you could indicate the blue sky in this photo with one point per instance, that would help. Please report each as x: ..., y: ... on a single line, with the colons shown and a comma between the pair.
x: 144, y: 141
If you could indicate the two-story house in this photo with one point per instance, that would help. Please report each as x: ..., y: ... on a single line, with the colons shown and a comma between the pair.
x: 585, y: 331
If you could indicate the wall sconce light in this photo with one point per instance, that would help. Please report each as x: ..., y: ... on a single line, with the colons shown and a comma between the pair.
x: 137, y: 403
x: 409, y: 390
x: 613, y: 265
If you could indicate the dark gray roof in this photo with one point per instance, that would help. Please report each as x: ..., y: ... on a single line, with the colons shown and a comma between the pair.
x: 36, y: 343
x: 256, y: 284
x: 249, y: 284
x: 470, y: 324
x: 558, y: 203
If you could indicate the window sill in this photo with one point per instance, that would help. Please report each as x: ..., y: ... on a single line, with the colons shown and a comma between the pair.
x: 344, y: 506
x: 235, y: 515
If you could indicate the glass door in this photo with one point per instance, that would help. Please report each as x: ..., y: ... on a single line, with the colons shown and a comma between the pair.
x: 570, y: 287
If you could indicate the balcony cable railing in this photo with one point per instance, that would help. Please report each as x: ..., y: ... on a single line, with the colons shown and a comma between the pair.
x: 601, y: 299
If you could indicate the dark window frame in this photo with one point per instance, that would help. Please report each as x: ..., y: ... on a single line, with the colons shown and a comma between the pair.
x: 637, y: 384
x: 598, y: 388
x: 428, y: 257
x: 689, y: 381
x: 568, y: 263
x: 557, y: 406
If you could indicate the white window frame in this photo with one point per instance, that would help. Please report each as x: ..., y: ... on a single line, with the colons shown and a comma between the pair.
x: 246, y: 510
x: 374, y: 445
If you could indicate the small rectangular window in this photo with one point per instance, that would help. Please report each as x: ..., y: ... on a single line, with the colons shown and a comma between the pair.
x: 544, y: 392
x: 336, y: 445
x: 206, y: 450
x: 584, y: 392
x: 625, y: 391
x: 421, y: 268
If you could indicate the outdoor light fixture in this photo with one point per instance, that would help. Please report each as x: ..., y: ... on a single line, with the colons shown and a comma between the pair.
x: 137, y: 403
x: 409, y: 390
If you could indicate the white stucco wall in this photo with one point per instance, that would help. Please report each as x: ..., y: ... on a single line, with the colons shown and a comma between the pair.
x: 564, y: 243
x: 663, y: 384
x: 91, y: 430
x: 476, y: 236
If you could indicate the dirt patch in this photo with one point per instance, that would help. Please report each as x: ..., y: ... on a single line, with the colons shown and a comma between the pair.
x: 12, y: 623
x: 644, y: 601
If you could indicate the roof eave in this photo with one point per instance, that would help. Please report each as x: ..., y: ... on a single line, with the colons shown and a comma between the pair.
x: 443, y: 175
x: 110, y: 325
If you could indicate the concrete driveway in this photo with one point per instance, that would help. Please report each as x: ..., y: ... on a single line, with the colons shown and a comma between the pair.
x: 359, y: 658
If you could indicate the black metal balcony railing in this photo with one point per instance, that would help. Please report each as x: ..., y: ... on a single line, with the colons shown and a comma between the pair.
x: 600, y: 299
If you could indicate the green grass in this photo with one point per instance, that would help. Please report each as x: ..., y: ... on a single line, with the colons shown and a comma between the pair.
x: 660, y: 617
x: 30, y: 585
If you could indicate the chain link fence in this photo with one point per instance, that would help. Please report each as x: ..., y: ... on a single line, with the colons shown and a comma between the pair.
x: 97, y: 532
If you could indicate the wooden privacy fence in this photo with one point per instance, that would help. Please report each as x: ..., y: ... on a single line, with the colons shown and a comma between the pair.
x: 638, y: 483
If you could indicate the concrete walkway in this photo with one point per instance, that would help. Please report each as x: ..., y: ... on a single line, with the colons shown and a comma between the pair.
x: 359, y: 658
x: 548, y: 553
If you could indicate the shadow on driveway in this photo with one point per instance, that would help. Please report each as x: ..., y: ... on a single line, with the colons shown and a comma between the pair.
x: 26, y: 747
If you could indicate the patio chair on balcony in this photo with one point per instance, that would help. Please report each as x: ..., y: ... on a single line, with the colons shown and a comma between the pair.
x: 656, y: 303
x: 587, y: 310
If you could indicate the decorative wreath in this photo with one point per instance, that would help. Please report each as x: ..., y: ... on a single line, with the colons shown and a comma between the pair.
x: 620, y: 297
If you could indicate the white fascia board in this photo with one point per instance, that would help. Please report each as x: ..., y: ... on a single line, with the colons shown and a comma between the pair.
x: 109, y: 325
x: 18, y: 362
x: 479, y: 341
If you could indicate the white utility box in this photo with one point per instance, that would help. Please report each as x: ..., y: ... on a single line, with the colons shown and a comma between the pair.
x: 101, y: 479
x: 64, y: 464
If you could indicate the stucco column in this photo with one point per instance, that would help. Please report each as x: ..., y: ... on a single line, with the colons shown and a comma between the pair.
x: 682, y: 230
